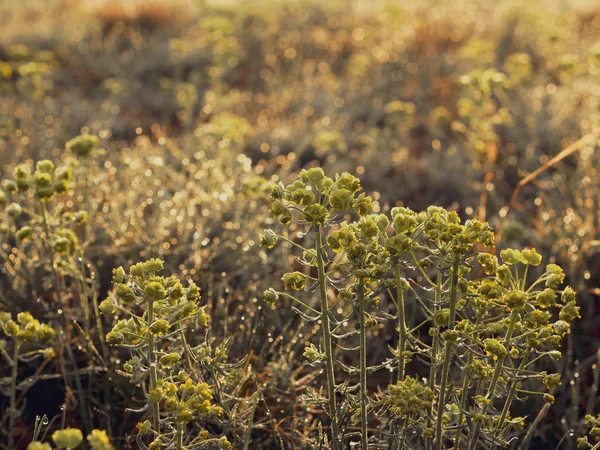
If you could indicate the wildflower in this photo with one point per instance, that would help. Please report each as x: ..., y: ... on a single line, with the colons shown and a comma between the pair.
x: 45, y: 166
x: 99, y: 440
x: 155, y: 291
x: 488, y: 262
x: 348, y: 182
x: 515, y: 299
x: 568, y: 295
x: 362, y: 205
x: 313, y: 354
x: 294, y: 280
x: 551, y: 381
x: 569, y: 312
x: 341, y: 199
x: 14, y: 210
x: 270, y: 296
x: 125, y: 293
x: 169, y: 359
x: 404, y: 219
x: 156, y: 444
x: 25, y: 233
x: 409, y: 398
x: 315, y: 214
x: 268, y: 239
x: 511, y: 256
x: 108, y: 306
x: 555, y: 276
x: 368, y: 228
x: 37, y: 445
x: 144, y: 427
x: 81, y: 217
x: 159, y: 327
x: 494, y: 348
x: 63, y: 174
x: 537, y: 318
x: 67, y: 438
x: 531, y: 256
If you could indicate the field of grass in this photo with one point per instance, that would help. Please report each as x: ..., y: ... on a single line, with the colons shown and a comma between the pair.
x: 278, y: 224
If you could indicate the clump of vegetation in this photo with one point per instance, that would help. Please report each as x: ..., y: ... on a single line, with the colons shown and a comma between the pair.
x: 482, y: 317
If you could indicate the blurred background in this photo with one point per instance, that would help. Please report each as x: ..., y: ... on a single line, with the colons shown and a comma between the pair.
x: 201, y: 105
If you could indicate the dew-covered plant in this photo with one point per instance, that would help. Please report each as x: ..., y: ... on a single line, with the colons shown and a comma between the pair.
x: 29, y: 340
x: 156, y: 311
x: 483, y: 323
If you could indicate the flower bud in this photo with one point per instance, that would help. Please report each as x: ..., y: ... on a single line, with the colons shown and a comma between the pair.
x: 268, y: 239
x: 362, y: 205
x: 531, y: 256
x: 270, y: 296
x: 125, y: 293
x: 108, y: 307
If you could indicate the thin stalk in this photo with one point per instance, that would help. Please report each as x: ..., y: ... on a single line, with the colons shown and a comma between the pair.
x: 250, y: 423
x: 403, y: 433
x: 363, y: 365
x: 463, y: 402
x: 152, y: 362
x: 49, y: 249
x: 179, y: 436
x: 448, y: 353
x: 327, y: 338
x: 51, y: 254
x: 511, y: 393
x: 465, y: 390
x: 434, y: 351
x: 492, y: 388
x: 591, y: 403
x: 525, y: 445
x: 12, y: 412
x: 401, y: 322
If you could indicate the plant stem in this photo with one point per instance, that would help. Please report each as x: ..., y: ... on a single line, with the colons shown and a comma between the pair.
x: 403, y: 433
x: 511, y: 393
x: 51, y: 255
x: 179, y: 436
x: 434, y: 351
x: 12, y: 412
x: 327, y: 338
x: 152, y: 362
x: 363, y: 364
x: 465, y: 389
x: 448, y: 353
x: 492, y: 388
x: 401, y: 322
